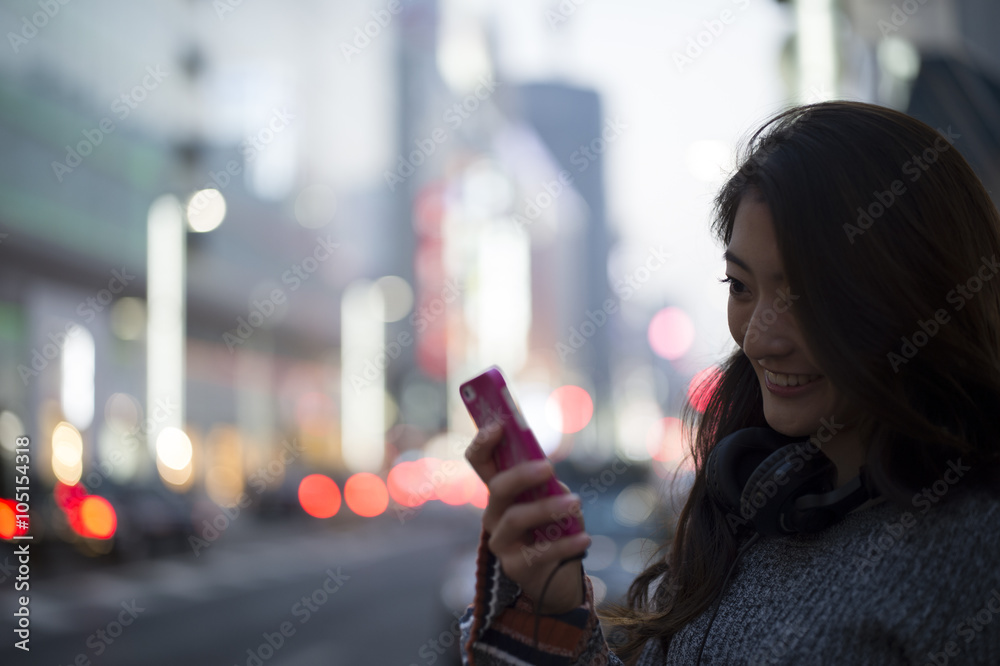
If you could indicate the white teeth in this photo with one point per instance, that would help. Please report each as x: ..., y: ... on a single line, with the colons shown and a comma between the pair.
x: 790, y: 380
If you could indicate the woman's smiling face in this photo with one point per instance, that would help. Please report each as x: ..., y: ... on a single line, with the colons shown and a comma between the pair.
x: 796, y: 391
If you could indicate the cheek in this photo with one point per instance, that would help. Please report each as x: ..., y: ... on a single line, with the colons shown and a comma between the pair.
x: 737, y: 322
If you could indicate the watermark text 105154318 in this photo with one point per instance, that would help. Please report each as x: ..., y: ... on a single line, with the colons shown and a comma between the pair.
x: 22, y: 499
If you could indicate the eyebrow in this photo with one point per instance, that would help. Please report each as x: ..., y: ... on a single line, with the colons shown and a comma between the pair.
x: 729, y: 256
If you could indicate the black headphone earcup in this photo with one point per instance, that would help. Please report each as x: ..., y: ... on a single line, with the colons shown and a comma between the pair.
x: 732, y: 461
x: 785, y: 475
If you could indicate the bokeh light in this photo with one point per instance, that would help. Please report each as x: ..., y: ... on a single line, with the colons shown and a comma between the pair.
x: 8, y: 525
x: 319, y: 496
x: 397, y: 297
x: 457, y: 484
x: 97, y: 518
x: 636, y: 554
x: 315, y: 206
x: 671, y: 333
x: 602, y: 553
x: 174, y: 458
x: 205, y: 210
x: 68, y: 498
x: 173, y: 447
x: 665, y: 440
x: 11, y: 428
x: 634, y: 504
x: 702, y: 386
x: 366, y: 494
x: 67, y: 453
x: 408, y: 485
x: 569, y: 409
x: 480, y: 494
x: 128, y: 318
x: 122, y: 412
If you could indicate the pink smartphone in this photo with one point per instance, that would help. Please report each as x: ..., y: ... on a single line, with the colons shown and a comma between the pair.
x: 489, y: 400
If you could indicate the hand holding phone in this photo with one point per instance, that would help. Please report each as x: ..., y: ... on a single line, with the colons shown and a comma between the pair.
x: 489, y: 401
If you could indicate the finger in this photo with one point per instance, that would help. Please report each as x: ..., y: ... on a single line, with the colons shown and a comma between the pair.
x: 479, y: 453
x: 505, y: 486
x: 552, y: 517
x: 541, y: 554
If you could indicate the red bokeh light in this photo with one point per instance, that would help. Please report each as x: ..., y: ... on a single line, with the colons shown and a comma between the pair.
x: 366, y: 494
x: 407, y: 484
x: 702, y: 386
x: 97, y: 518
x: 319, y: 496
x: 670, y: 333
x: 576, y: 407
x: 8, y: 519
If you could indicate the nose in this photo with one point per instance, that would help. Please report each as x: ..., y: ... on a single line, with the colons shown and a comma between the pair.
x: 770, y: 331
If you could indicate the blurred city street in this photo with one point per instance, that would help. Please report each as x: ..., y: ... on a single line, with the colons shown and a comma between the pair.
x: 249, y: 252
x: 211, y: 609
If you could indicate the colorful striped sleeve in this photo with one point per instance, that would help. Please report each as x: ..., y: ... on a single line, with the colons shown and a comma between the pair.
x: 498, y: 628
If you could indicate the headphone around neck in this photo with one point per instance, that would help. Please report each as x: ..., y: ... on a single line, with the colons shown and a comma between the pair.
x: 780, y: 484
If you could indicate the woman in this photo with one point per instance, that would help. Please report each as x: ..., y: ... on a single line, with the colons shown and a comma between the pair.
x: 861, y: 252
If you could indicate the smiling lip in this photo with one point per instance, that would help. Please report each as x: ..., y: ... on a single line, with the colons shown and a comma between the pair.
x: 771, y: 379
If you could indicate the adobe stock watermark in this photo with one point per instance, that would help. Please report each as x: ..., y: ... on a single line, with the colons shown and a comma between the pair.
x: 438, y: 478
x: 581, y: 159
x: 968, y: 629
x: 223, y: 7
x: 122, y: 106
x: 889, y: 534
x: 545, y: 536
x: 782, y: 303
x: 914, y: 167
x: 363, y: 35
x: 540, y: 201
x: 713, y: 29
x: 162, y: 410
x: 250, y: 147
x: 435, y: 648
x: 304, y: 610
x: 454, y: 116
x: 259, y: 482
x: 589, y: 493
x: 40, y: 19
x: 899, y: 16
x: 420, y: 319
x: 587, y: 154
x: 562, y: 13
x: 264, y: 308
x: 104, y: 638
x: 957, y: 297
x: 87, y: 309
x: 774, y: 651
x: 451, y: 468
x: 625, y: 289
x: 795, y: 460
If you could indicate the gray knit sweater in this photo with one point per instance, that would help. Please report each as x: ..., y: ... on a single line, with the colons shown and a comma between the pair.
x: 886, y: 585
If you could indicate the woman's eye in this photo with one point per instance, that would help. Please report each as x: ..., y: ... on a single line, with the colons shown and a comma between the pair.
x: 736, y: 287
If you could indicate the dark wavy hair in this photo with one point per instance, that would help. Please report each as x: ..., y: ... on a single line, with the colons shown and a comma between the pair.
x: 881, y: 224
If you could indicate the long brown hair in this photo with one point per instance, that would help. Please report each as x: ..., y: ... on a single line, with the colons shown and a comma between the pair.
x: 880, y: 223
